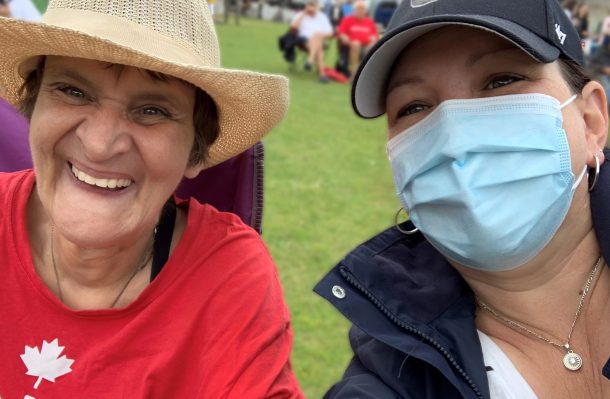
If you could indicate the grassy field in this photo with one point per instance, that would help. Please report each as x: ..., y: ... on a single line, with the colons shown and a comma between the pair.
x: 41, y: 4
x: 327, y: 187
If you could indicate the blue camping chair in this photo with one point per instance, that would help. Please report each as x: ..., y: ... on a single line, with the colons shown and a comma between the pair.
x: 383, y: 12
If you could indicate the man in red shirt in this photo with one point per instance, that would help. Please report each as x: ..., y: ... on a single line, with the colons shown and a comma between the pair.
x: 359, y: 32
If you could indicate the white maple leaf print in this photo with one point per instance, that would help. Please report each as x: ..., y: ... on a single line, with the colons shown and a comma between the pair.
x: 46, y: 364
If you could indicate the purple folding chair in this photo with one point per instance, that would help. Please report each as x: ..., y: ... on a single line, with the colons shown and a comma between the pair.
x: 235, y: 185
x: 14, y: 147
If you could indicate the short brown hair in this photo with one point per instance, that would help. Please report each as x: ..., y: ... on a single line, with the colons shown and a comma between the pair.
x: 205, y: 112
x: 574, y: 75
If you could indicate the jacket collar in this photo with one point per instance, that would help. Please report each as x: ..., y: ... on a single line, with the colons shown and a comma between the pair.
x: 600, y: 208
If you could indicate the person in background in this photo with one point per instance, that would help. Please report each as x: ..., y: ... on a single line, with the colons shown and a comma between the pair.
x: 335, y: 13
x: 498, y: 286
x: 358, y: 33
x: 600, y: 65
x: 580, y: 19
x: 313, y: 28
x: 569, y: 7
x: 25, y: 10
x: 605, y: 28
x: 5, y: 10
x: 113, y: 287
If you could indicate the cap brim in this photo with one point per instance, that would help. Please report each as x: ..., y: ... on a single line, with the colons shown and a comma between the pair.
x: 370, y: 81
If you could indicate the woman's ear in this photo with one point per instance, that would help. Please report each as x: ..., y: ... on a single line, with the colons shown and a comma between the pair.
x: 595, y: 116
x: 192, y: 171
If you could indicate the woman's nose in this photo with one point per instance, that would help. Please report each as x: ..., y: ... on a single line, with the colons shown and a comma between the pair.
x: 104, y: 134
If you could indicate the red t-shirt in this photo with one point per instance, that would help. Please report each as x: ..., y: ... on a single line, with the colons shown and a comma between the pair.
x: 213, y: 324
x: 361, y: 30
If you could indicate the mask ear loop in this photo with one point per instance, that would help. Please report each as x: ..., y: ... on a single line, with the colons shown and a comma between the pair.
x: 592, y: 185
x: 397, y: 224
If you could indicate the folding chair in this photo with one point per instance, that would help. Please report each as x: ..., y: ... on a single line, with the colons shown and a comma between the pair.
x: 14, y: 147
x: 235, y: 185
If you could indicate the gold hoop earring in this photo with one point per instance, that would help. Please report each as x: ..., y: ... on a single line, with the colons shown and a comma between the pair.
x: 592, y: 185
x: 407, y: 232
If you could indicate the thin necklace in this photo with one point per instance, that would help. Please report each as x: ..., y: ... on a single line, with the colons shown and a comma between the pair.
x: 571, y: 360
x: 141, y: 266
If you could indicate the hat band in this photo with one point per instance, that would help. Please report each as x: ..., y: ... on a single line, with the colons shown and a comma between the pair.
x: 128, y: 34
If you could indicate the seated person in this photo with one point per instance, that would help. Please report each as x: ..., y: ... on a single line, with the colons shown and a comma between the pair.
x: 358, y: 32
x: 600, y: 65
x: 23, y: 9
x: 313, y: 28
x: 5, y: 11
x: 334, y: 11
x: 113, y: 288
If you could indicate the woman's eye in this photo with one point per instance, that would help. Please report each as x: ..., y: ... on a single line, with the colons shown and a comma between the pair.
x: 501, y: 81
x: 72, y: 91
x: 154, y: 111
x: 411, y: 109
x: 150, y: 114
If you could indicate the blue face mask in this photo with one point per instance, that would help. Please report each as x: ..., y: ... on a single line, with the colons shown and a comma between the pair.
x: 487, y: 181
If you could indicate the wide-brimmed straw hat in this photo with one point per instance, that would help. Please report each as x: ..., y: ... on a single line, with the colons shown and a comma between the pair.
x: 174, y: 37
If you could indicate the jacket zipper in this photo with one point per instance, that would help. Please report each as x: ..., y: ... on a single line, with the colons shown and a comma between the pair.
x: 402, y: 325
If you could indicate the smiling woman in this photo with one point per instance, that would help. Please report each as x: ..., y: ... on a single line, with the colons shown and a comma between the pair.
x: 127, y: 292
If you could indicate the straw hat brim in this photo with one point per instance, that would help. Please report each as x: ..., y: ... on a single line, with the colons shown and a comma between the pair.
x: 250, y: 104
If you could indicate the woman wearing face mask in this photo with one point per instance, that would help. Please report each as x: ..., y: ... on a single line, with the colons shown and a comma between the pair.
x: 498, y: 285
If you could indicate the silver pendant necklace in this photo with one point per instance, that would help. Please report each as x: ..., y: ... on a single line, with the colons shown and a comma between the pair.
x: 145, y: 259
x: 571, y: 360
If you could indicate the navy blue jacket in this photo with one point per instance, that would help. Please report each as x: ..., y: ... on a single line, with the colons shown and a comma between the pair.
x: 414, y: 334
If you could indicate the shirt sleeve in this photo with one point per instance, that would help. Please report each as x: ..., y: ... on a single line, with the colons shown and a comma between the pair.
x: 343, y: 26
x: 374, y: 28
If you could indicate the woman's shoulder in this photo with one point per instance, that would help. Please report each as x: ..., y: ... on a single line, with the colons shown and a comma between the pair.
x: 219, y: 250
x: 213, y: 234
x: 207, y: 217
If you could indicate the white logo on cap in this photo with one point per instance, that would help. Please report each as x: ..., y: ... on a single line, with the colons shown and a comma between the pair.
x: 560, y: 35
x: 421, y: 3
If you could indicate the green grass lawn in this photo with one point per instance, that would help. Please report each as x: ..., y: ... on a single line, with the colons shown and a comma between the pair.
x: 327, y: 188
x: 40, y: 4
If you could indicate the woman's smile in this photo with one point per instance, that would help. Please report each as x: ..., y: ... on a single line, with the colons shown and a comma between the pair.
x: 114, y: 184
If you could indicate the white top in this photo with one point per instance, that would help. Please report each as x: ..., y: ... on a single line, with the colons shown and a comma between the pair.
x: 313, y: 24
x: 505, y: 381
x: 24, y: 9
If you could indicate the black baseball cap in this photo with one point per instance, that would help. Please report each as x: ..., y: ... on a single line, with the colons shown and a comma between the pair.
x: 541, y: 28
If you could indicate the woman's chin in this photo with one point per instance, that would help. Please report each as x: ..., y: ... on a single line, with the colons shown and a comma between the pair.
x: 93, y: 236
